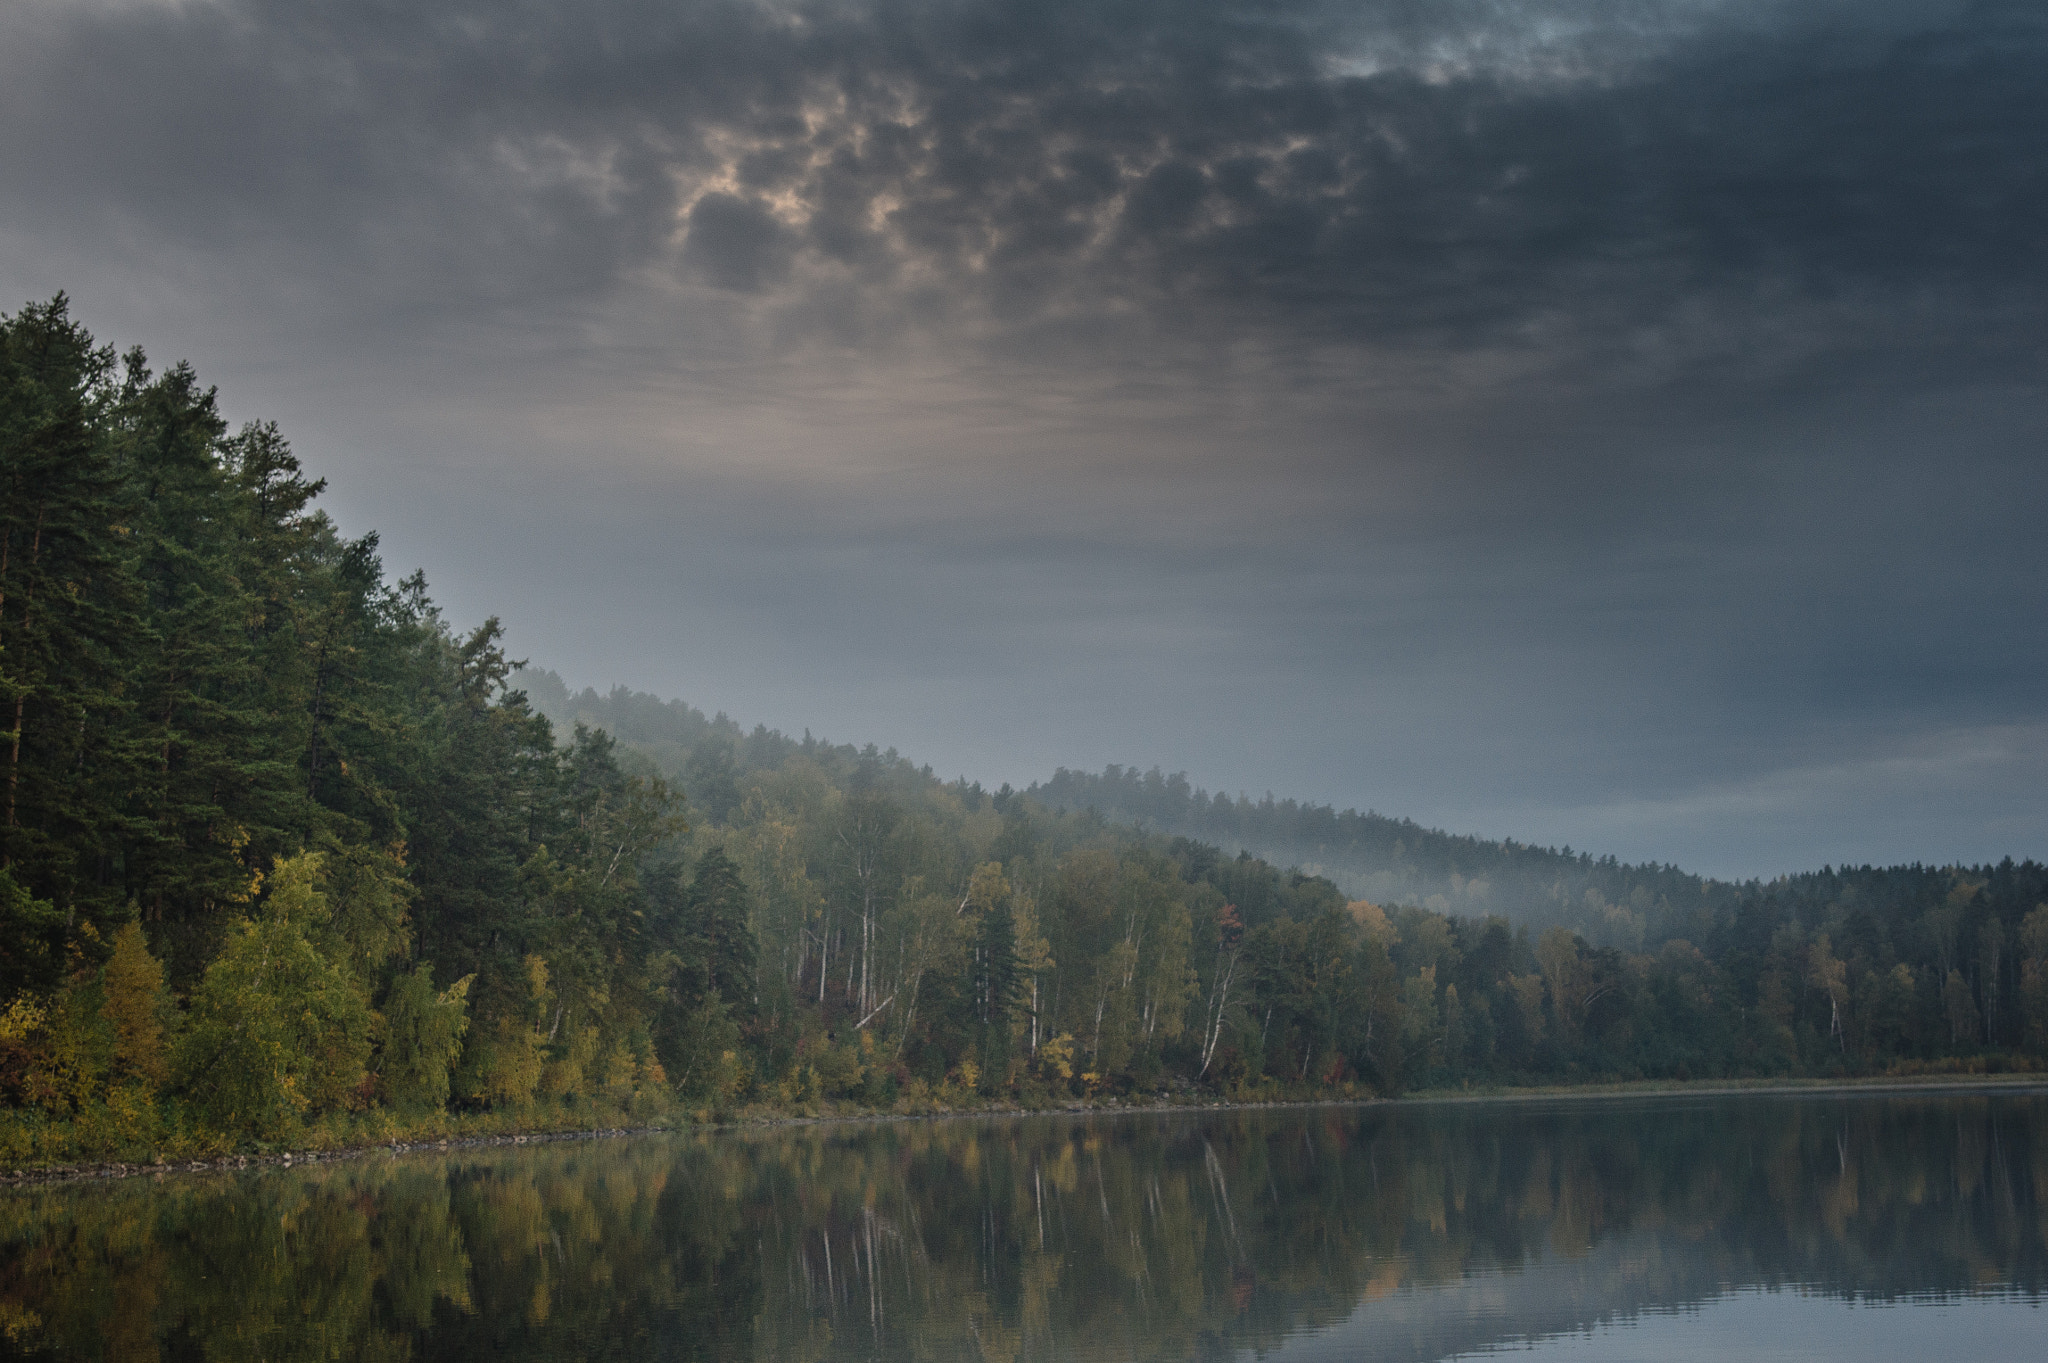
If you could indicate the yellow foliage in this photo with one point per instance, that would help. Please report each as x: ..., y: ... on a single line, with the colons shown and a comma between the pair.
x: 735, y: 1076
x: 619, y: 1074
x: 511, y: 1065
x: 135, y: 1004
x: 1374, y: 920
x: 17, y: 1322
x: 565, y: 1073
x: 1056, y: 1057
x: 800, y: 1085
x: 295, y: 898
x: 24, y: 1017
x: 503, y: 1062
x: 986, y: 888
x: 69, y: 1050
x: 839, y: 1069
x: 131, y: 1114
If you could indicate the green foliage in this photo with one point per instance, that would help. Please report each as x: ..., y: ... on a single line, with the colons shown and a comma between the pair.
x: 32, y: 934
x: 693, y: 1041
x: 368, y: 896
x: 68, y: 624
x: 719, y: 931
x: 423, y: 1031
x: 2033, y: 939
x: 277, y: 1030
x: 73, y: 1053
x: 998, y: 983
x: 502, y: 1063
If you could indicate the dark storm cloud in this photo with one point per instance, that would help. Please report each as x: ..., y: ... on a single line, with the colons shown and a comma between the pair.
x: 1565, y: 419
x: 1769, y: 186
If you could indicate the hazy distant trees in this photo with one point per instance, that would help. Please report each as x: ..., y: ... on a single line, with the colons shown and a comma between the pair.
x: 1390, y: 860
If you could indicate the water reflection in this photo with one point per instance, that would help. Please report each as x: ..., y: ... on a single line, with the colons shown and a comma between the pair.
x: 1770, y: 1327
x: 1421, y: 1232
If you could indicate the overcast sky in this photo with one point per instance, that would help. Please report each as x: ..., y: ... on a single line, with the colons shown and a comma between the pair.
x: 1611, y: 423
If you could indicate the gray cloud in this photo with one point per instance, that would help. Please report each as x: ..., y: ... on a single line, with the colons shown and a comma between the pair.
x: 1609, y: 414
x: 1743, y: 191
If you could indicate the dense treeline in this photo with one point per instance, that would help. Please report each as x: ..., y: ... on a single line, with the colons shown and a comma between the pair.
x: 1607, y: 970
x: 1371, y: 856
x: 279, y: 846
x: 277, y: 843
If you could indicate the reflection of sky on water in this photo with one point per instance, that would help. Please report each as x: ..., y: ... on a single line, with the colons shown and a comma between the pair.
x: 1493, y: 1314
x: 1699, y: 1226
x: 1769, y: 1327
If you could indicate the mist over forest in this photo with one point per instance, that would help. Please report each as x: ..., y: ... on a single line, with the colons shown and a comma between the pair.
x: 1474, y: 886
x: 1367, y: 856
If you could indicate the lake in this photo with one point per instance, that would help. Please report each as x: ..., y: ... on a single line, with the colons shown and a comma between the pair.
x: 1865, y: 1226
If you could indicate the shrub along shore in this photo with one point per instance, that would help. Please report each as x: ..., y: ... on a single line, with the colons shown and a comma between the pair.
x: 485, y: 1130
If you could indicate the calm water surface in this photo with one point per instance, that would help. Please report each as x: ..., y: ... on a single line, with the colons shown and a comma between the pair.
x: 1753, y: 1227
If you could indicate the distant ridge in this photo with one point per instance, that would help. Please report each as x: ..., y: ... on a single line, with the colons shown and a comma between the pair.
x: 1367, y: 855
x: 1398, y: 861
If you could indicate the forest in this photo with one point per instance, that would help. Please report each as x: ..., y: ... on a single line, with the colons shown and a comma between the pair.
x: 287, y: 857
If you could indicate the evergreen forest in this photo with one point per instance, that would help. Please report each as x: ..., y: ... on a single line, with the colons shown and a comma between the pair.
x: 288, y: 857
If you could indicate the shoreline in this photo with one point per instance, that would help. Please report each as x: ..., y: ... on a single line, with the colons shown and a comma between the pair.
x: 1961, y: 1084
x: 1727, y: 1088
x: 115, y: 1170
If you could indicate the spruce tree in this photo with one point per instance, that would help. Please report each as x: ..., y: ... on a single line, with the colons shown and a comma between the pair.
x: 68, y: 625
x: 718, y: 903
x: 998, y: 988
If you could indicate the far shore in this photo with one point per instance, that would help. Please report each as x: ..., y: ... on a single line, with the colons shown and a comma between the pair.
x: 1708, y: 1088
x: 764, y: 1120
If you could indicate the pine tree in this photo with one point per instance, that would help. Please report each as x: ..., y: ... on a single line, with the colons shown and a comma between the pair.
x: 718, y: 909
x: 998, y: 988
x: 68, y: 629
x: 215, y: 800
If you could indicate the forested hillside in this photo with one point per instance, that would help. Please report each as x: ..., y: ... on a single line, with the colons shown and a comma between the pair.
x: 285, y: 855
x: 1367, y: 856
x: 1371, y: 856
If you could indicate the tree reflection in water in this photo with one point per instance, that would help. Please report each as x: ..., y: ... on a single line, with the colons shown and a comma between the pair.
x: 1428, y: 1230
